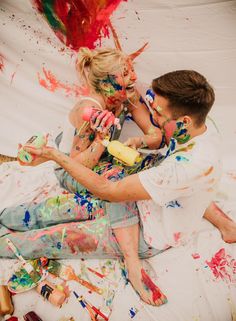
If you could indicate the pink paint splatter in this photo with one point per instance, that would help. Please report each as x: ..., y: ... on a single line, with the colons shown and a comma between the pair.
x: 196, y: 256
x: 177, y: 236
x: 51, y: 83
x: 223, y: 266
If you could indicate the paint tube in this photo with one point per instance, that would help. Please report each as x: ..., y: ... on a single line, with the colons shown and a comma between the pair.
x: 125, y: 154
x: 32, y: 316
x: 37, y: 141
x: 49, y: 292
x: 6, y: 306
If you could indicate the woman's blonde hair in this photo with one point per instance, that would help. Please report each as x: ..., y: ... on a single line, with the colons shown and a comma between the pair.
x: 95, y: 65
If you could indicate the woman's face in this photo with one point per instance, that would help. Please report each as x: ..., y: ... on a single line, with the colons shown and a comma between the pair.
x: 119, y: 86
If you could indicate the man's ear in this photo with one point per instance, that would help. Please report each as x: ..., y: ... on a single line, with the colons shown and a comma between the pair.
x: 187, y: 121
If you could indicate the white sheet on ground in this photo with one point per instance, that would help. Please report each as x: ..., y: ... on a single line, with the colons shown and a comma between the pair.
x: 185, y: 34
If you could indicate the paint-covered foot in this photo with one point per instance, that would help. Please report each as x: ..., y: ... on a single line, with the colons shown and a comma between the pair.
x: 144, y: 285
x: 229, y: 232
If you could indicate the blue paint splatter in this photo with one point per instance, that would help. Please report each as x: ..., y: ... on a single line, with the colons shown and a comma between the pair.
x: 180, y: 158
x: 173, y: 204
x: 59, y: 245
x: 26, y: 219
x: 133, y: 312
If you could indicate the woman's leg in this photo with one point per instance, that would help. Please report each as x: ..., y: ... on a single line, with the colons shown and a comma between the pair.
x: 90, y: 239
x: 225, y: 224
x: 63, y: 208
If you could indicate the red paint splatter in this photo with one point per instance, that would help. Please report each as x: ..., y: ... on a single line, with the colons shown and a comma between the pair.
x: 223, y: 266
x: 177, y: 236
x: 196, y: 256
x: 78, y: 23
x: 1, y: 62
x: 156, y: 293
x: 51, y: 83
x: 79, y: 241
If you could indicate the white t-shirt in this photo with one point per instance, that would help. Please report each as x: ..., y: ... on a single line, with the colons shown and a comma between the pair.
x: 181, y: 188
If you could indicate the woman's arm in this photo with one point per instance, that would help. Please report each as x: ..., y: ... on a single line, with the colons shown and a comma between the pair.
x: 152, y: 137
x: 127, y: 189
x: 87, y: 146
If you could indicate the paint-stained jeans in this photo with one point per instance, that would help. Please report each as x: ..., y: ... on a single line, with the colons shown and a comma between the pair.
x: 68, y: 226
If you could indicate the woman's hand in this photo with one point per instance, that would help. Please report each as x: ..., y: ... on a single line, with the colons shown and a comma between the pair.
x: 100, y: 123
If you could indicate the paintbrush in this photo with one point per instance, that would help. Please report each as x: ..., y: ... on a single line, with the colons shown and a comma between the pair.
x: 35, y: 276
x: 85, y: 306
x: 67, y: 273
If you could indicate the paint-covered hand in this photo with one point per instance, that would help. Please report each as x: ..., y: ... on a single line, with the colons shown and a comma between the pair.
x: 42, y: 155
x: 134, y: 142
x: 101, y: 122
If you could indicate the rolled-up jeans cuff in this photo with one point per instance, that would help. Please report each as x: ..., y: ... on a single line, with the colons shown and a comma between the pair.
x: 122, y: 214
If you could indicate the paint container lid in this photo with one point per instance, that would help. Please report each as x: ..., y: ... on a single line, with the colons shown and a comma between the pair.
x: 32, y: 316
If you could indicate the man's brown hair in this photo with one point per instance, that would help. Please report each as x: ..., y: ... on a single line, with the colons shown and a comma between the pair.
x: 188, y: 93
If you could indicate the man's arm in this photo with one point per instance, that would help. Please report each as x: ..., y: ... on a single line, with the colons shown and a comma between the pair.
x: 127, y: 189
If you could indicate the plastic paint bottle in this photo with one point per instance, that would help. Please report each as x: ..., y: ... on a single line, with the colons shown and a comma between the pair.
x: 90, y: 111
x: 32, y: 316
x: 127, y: 155
x: 49, y: 292
x: 6, y: 306
x: 37, y: 141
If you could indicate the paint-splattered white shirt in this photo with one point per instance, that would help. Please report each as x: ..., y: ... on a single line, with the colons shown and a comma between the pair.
x: 181, y: 188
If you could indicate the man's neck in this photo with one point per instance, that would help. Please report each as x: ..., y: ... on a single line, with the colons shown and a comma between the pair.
x: 193, y: 132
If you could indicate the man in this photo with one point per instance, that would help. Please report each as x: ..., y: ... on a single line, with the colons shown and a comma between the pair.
x: 171, y: 198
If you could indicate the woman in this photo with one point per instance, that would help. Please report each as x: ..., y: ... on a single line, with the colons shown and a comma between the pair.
x: 110, y: 79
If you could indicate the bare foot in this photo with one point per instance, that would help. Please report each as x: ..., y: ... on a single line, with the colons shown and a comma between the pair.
x: 144, y: 286
x: 229, y: 232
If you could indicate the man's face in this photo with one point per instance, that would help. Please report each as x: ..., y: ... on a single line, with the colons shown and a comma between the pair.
x: 162, y: 114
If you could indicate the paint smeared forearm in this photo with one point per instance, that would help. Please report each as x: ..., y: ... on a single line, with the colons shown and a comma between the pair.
x: 91, y: 155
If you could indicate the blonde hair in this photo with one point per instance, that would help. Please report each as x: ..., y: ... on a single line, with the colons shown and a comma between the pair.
x: 95, y: 65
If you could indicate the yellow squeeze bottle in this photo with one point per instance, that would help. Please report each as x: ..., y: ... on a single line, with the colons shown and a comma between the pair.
x: 124, y: 153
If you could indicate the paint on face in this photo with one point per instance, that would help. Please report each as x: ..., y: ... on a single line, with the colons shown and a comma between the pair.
x: 180, y: 133
x: 78, y: 23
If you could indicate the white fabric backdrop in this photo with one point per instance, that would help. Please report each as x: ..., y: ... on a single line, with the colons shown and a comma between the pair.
x: 185, y: 34
x: 192, y: 34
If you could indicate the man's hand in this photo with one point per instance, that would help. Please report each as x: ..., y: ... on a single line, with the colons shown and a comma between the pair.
x: 134, y: 142
x: 42, y: 155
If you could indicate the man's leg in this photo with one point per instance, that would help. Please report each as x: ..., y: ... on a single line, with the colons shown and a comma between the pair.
x: 225, y: 224
x: 124, y: 218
